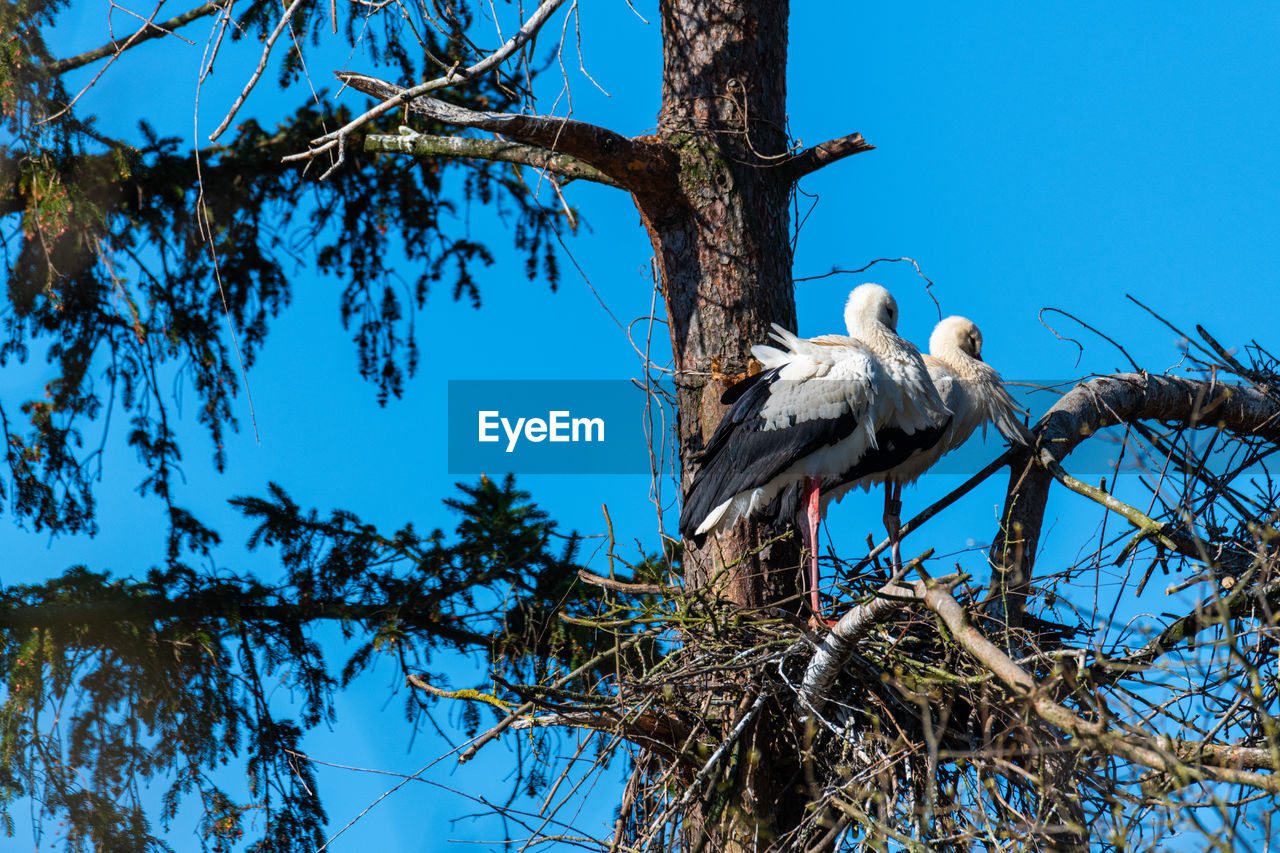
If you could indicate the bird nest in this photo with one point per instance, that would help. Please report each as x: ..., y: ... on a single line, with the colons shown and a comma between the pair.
x: 932, y: 722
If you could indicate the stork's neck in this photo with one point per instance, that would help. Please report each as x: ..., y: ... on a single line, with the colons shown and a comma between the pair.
x: 964, y: 365
x: 876, y: 335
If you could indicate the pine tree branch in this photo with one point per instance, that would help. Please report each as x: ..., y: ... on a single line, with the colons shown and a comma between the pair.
x: 148, y: 31
x: 425, y: 145
x: 219, y: 606
x: 633, y: 164
x: 824, y: 154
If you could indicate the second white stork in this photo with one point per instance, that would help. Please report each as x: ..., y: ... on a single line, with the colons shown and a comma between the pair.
x: 816, y: 411
x: 971, y: 388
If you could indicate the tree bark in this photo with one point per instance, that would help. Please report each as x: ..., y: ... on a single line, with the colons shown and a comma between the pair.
x: 723, y: 247
x: 723, y: 251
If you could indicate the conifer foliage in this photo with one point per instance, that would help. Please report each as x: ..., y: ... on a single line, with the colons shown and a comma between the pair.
x: 126, y: 259
x: 117, y: 684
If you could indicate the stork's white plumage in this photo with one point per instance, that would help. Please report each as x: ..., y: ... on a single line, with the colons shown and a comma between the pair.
x: 970, y: 388
x: 959, y: 373
x: 816, y: 411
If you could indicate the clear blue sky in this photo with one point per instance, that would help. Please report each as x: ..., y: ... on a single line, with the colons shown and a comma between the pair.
x: 1029, y: 155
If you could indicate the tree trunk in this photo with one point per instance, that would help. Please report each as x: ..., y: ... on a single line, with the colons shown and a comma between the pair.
x: 723, y: 247
x: 724, y: 258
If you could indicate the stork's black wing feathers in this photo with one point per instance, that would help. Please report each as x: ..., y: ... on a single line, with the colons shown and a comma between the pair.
x: 895, y: 447
x: 741, y: 454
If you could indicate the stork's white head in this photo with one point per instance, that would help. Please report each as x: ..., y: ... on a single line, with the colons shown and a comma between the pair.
x: 956, y: 333
x: 868, y: 305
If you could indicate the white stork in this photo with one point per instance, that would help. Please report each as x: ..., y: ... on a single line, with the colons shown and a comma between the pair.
x: 970, y: 388
x: 815, y: 412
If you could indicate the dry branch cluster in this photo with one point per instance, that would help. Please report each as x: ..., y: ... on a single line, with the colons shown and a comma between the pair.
x: 936, y: 716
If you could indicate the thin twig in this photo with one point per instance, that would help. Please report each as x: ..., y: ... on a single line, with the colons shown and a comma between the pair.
x: 147, y: 32
x: 257, y: 72
x: 937, y: 506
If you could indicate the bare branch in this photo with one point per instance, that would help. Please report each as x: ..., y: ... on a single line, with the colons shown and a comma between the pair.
x: 648, y: 729
x: 424, y: 145
x: 467, y: 695
x: 1224, y: 755
x: 1147, y: 526
x: 257, y: 72
x: 561, y: 134
x: 1089, y: 407
x: 633, y: 164
x: 633, y: 588
x: 147, y: 32
x: 738, y: 728
x: 813, y: 159
x: 839, y: 643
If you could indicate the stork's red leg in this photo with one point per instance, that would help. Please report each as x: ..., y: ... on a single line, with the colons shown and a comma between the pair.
x: 893, y: 522
x: 812, y: 506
